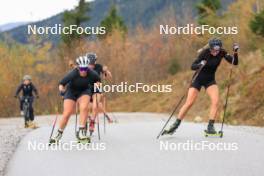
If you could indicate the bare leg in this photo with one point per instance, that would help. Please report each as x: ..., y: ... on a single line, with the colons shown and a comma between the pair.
x: 191, y: 97
x: 84, y: 110
x: 213, y: 93
x: 68, y: 108
x: 96, y: 104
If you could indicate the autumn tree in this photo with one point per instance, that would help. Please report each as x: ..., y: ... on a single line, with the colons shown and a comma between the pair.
x: 75, y: 17
x: 207, y: 8
x: 113, y: 22
x: 257, y: 24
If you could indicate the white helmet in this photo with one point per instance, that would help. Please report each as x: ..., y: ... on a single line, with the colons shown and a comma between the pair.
x: 82, y: 61
x: 27, y: 77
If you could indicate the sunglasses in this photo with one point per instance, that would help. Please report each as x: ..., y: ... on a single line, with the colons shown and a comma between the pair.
x: 215, y: 51
x: 83, y: 69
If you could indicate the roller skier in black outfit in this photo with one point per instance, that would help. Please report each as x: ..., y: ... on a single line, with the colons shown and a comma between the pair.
x: 209, y: 59
x: 79, y: 82
x: 97, y: 96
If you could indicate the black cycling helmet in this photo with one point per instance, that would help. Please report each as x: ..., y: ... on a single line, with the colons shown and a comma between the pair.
x: 92, y: 58
x: 215, y: 43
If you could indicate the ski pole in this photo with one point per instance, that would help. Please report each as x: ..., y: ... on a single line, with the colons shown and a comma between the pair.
x: 178, y: 104
x: 227, y: 96
x: 104, y: 124
x: 53, y: 126
x: 104, y: 109
x: 176, y: 107
x: 97, y: 117
x: 114, y: 117
x: 76, y: 119
x: 55, y: 121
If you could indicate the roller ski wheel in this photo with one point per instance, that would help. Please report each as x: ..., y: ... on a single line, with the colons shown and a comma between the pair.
x: 84, y: 141
x: 53, y: 141
x: 210, y: 134
x: 167, y: 132
x: 82, y: 137
x: 172, y: 128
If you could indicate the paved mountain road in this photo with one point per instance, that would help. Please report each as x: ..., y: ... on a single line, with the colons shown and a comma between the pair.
x: 131, y: 149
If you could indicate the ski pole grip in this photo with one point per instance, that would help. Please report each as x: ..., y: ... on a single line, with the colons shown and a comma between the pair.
x: 62, y: 93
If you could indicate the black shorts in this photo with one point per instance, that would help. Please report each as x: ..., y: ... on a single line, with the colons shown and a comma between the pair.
x: 73, y: 95
x: 201, y: 81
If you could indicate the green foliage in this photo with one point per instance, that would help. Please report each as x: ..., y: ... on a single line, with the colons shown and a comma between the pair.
x: 75, y: 17
x: 207, y: 8
x: 134, y: 13
x: 257, y: 24
x: 113, y: 22
x: 174, y: 66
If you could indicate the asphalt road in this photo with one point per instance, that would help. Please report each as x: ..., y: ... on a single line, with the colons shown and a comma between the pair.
x: 130, y: 148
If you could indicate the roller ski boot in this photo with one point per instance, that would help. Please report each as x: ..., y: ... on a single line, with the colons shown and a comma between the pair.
x: 82, y: 137
x: 32, y: 125
x: 56, y: 139
x: 211, y: 132
x: 26, y: 124
x: 172, y: 128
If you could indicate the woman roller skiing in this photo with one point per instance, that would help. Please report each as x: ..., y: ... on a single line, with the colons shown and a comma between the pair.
x: 208, y: 60
x: 79, y: 82
x: 97, y: 97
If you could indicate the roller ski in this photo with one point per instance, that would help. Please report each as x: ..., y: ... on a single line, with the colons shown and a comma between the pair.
x: 82, y: 137
x: 172, y: 128
x: 56, y: 139
x: 211, y: 132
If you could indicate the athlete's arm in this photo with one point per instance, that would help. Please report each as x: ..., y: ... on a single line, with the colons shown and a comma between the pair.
x: 231, y: 59
x: 19, y: 88
x: 68, y: 77
x: 35, y: 90
x: 96, y: 80
x: 199, y: 61
x: 95, y: 76
x: 62, y: 89
x: 107, y: 73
